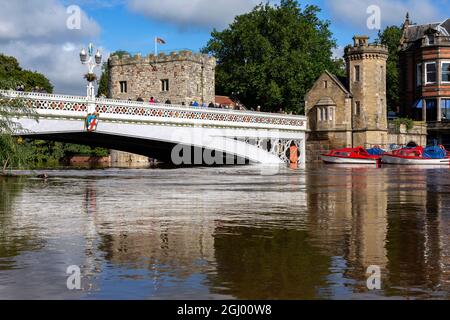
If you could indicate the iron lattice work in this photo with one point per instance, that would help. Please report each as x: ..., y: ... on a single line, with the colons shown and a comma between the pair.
x: 144, y: 110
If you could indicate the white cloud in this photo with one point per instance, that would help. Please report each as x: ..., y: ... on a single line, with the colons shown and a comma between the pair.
x: 36, y: 33
x: 195, y: 13
x: 393, y: 12
x: 338, y: 52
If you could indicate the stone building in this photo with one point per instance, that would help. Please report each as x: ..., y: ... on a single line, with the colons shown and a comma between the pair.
x: 329, y: 111
x: 425, y: 76
x: 352, y: 111
x: 180, y: 77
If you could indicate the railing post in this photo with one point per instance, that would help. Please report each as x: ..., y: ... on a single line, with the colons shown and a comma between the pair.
x: 91, y: 106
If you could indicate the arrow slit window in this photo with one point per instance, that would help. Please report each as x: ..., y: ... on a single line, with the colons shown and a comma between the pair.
x: 123, y: 86
x: 165, y: 85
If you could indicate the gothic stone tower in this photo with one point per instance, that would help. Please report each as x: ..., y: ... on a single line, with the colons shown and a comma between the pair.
x: 366, y: 70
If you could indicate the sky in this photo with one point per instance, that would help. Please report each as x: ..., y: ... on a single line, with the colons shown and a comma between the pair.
x: 44, y: 36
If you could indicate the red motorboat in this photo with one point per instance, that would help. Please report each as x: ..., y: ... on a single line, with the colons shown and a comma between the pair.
x: 418, y: 156
x: 357, y: 155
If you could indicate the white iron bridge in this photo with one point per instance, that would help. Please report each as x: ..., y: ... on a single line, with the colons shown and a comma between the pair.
x: 164, y: 132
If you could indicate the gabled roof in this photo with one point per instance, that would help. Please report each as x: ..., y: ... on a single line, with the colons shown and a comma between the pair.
x: 339, y: 83
x: 326, y: 101
x: 224, y: 100
x: 413, y: 33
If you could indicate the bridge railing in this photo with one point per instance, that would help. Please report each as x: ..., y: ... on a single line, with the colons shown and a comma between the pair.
x: 120, y: 110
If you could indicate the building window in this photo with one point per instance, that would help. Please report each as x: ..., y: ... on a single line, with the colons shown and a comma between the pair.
x: 357, y: 73
x: 445, y: 109
x: 325, y: 84
x: 357, y: 108
x: 319, y: 114
x: 331, y: 113
x: 430, y: 40
x: 431, y: 72
x: 418, y: 110
x: 446, y: 71
x: 431, y: 108
x: 419, y: 75
x: 165, y: 85
x: 123, y: 86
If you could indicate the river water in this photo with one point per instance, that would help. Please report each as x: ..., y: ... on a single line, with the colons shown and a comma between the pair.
x: 226, y: 233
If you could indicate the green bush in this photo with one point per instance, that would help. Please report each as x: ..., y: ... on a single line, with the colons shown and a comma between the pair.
x: 408, y: 123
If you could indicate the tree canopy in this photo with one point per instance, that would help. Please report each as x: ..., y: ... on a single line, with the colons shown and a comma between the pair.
x: 12, y: 75
x: 391, y: 37
x: 273, y: 55
x: 10, y: 151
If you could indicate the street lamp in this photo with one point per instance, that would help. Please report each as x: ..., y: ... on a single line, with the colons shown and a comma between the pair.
x: 92, y: 61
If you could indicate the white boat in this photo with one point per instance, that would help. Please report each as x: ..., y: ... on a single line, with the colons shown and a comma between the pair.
x: 417, y: 156
x: 338, y: 160
x: 357, y: 155
x: 393, y: 159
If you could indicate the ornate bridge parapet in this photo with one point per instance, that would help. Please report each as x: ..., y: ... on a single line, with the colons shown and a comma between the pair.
x: 271, y: 134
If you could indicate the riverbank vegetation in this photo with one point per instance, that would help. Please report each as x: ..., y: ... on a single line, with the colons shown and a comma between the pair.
x: 16, y: 152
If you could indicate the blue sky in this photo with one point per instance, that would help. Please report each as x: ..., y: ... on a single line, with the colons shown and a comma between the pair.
x: 35, y: 31
x: 136, y: 31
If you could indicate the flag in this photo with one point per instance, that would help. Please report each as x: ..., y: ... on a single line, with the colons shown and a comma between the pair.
x: 160, y: 41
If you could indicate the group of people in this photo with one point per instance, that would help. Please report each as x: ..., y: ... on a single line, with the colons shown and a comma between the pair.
x: 152, y: 100
x: 21, y: 88
x: 211, y: 105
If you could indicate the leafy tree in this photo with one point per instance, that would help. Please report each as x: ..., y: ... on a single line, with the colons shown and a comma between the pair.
x: 391, y: 37
x: 34, y: 79
x: 272, y: 55
x: 11, y: 153
x: 11, y: 71
x: 104, y: 79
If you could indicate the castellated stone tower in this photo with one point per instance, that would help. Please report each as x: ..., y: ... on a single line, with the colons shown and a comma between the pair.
x: 180, y: 77
x: 366, y: 70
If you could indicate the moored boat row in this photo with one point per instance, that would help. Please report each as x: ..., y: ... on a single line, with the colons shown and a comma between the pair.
x: 436, y: 155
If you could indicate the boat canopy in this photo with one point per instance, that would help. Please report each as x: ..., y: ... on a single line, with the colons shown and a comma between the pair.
x: 376, y: 151
x: 434, y: 152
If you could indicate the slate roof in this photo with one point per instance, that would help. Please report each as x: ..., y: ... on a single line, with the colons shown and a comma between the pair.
x: 340, y: 81
x: 416, y: 32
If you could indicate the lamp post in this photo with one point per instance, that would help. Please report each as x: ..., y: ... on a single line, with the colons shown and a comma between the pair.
x: 91, y: 61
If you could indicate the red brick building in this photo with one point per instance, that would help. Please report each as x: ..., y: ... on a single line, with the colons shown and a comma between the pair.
x: 425, y: 75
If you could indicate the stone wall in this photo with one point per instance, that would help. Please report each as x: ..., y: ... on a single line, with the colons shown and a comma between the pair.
x: 401, y: 136
x: 125, y: 158
x: 191, y: 77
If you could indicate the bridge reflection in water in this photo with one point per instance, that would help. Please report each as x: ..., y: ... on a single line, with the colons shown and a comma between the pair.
x: 233, y: 233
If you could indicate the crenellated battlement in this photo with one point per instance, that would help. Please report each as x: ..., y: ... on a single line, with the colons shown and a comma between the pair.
x: 184, y: 55
x: 363, y: 49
